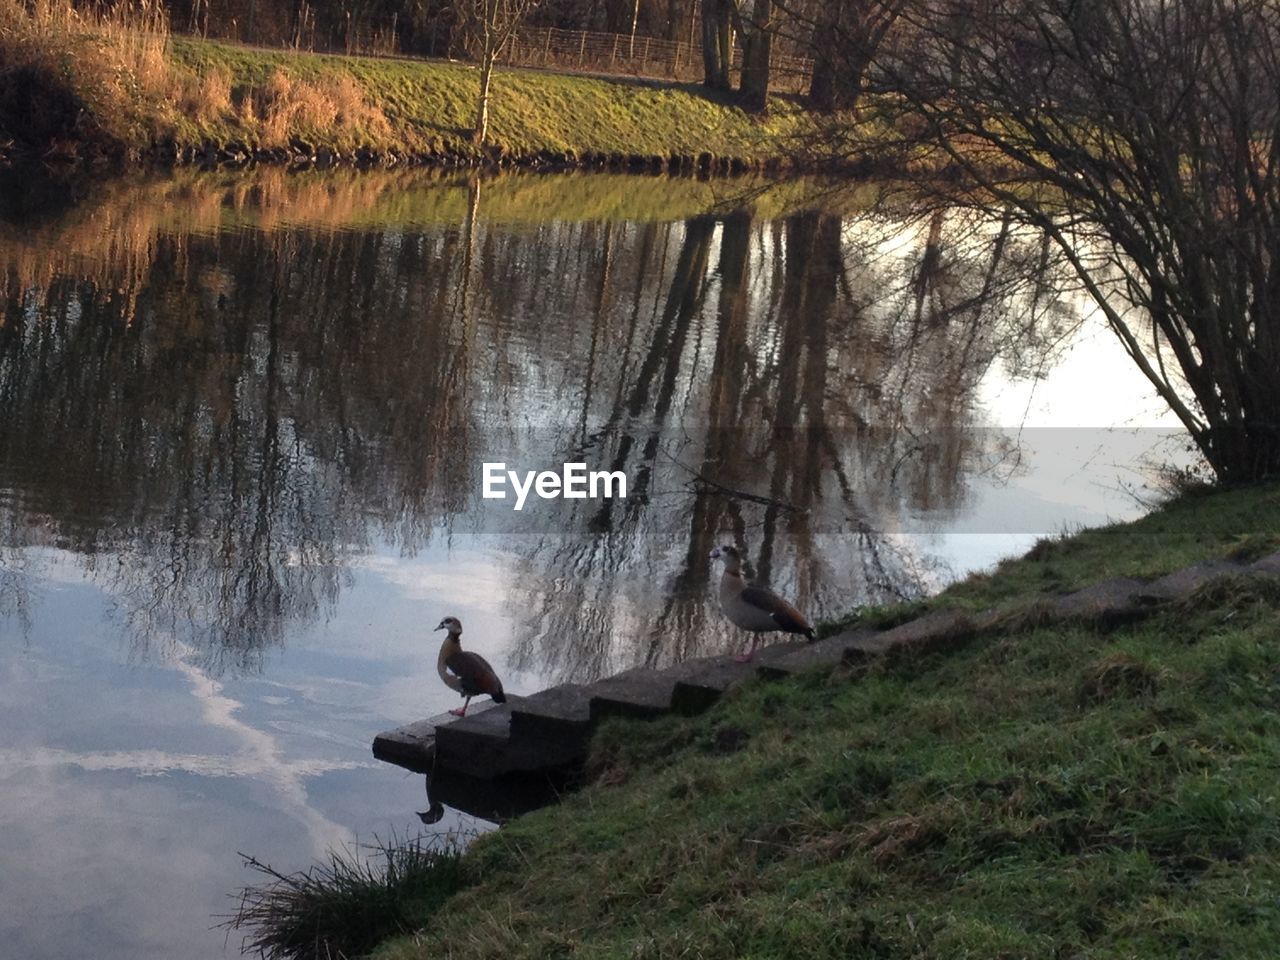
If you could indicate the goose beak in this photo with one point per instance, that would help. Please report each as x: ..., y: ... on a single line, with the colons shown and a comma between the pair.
x: 439, y: 626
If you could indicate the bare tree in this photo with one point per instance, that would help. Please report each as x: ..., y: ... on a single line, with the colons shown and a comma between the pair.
x: 1143, y: 137
x: 488, y: 26
x: 844, y: 36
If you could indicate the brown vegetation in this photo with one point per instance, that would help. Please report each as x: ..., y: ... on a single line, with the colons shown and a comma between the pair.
x: 71, y: 75
x: 286, y: 104
x: 76, y: 79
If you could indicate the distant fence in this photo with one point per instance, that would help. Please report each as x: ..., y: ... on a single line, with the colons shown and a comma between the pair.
x: 620, y: 53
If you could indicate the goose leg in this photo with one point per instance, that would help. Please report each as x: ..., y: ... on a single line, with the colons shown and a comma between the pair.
x: 462, y: 710
x: 746, y: 657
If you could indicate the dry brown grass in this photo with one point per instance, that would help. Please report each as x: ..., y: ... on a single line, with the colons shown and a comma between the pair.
x: 287, y: 106
x: 206, y: 98
x: 59, y: 59
x: 121, y: 45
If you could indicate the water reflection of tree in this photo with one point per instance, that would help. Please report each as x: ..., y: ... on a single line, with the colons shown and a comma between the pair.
x: 15, y: 587
x: 222, y: 438
x: 841, y: 394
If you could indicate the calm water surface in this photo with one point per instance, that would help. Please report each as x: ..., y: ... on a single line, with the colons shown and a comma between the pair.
x: 243, y: 423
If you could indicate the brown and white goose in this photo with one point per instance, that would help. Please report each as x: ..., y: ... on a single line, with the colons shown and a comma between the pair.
x: 468, y: 673
x: 753, y: 607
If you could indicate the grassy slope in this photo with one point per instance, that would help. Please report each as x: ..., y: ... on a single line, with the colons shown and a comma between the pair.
x: 430, y: 107
x: 1052, y: 793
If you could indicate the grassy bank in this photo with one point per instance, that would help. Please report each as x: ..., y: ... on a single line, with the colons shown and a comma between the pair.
x: 1050, y: 792
x: 119, y: 84
x: 1042, y: 792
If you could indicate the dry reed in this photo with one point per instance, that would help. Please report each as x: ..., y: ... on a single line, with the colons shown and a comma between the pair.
x: 61, y: 62
x: 286, y: 106
x: 121, y: 45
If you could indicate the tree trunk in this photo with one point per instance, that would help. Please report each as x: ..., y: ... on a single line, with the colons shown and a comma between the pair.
x: 481, y: 129
x: 833, y: 61
x: 822, y: 81
x: 835, y: 87
x: 716, y: 44
x: 757, y: 45
x: 843, y: 45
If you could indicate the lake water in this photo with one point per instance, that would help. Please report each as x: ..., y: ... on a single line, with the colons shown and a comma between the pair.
x: 244, y: 418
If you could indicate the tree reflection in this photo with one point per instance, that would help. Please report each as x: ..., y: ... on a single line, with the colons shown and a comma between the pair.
x: 218, y: 421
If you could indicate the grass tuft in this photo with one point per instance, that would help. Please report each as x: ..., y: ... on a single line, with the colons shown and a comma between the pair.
x: 1116, y: 675
x: 1233, y: 593
x: 347, y: 905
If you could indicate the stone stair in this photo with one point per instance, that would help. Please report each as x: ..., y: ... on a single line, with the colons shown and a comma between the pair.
x: 551, y: 730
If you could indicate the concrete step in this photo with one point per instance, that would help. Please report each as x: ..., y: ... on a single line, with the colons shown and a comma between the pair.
x: 707, y: 682
x: 1106, y: 603
x: 1268, y: 565
x: 414, y: 746
x: 640, y: 692
x: 1184, y: 581
x: 483, y: 744
x: 828, y: 652
x: 707, y: 679
x: 558, y: 713
x: 932, y: 631
x: 479, y: 742
x: 691, y: 686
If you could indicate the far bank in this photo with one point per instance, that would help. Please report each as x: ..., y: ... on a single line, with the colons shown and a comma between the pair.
x: 75, y: 90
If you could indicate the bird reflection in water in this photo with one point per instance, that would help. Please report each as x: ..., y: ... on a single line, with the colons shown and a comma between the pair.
x: 435, y: 809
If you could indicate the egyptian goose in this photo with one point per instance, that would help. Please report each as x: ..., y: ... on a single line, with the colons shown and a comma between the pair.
x: 752, y: 607
x: 468, y: 673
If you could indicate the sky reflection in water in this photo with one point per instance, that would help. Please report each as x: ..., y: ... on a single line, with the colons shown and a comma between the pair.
x: 239, y: 480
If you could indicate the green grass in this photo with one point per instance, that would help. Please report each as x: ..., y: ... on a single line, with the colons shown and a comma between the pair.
x: 431, y: 105
x: 115, y: 82
x: 1053, y: 792
x: 429, y: 108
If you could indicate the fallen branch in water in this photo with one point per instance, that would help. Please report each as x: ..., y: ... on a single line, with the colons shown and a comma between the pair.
x: 704, y: 484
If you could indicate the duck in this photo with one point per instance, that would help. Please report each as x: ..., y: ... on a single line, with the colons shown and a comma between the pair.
x: 753, y: 607
x: 468, y: 673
